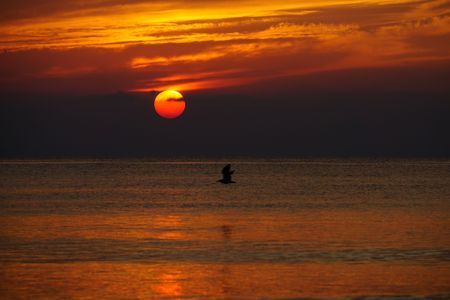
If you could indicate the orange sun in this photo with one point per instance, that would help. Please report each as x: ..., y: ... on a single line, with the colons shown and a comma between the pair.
x: 169, y: 104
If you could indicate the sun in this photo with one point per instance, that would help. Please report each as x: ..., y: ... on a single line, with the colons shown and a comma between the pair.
x: 170, y: 104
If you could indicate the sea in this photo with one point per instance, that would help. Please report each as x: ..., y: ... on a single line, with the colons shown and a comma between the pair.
x: 166, y: 229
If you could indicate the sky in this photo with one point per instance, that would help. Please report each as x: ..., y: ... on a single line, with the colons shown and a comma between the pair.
x: 321, y: 77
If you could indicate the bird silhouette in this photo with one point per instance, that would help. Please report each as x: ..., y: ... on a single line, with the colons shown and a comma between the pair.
x: 226, y: 175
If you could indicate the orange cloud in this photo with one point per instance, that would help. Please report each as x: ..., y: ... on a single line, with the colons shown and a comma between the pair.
x: 144, y: 45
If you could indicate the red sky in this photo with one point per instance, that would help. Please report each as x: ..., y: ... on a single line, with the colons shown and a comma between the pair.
x: 106, y: 46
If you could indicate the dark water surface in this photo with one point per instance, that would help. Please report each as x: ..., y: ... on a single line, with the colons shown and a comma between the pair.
x: 289, y: 229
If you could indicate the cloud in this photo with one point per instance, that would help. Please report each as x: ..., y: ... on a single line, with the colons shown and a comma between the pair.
x: 141, y: 47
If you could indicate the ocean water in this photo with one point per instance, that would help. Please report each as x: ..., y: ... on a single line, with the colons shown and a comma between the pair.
x: 288, y: 229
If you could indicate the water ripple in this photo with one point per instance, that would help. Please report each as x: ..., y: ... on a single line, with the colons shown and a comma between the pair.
x: 155, y: 250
